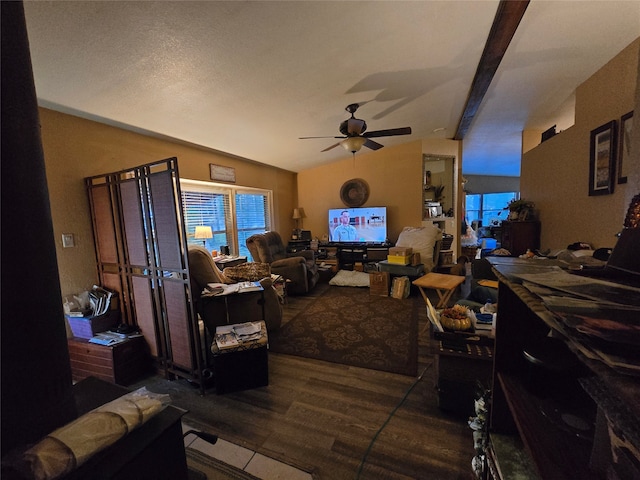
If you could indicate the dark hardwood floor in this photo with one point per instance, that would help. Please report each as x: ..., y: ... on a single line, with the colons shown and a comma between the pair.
x: 323, y: 417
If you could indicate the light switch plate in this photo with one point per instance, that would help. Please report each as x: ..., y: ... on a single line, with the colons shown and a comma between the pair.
x: 67, y: 240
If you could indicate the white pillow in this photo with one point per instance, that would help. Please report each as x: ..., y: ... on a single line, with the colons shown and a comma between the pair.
x: 350, y: 278
x: 422, y: 240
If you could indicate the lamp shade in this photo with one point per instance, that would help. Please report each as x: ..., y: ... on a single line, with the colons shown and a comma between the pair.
x: 296, y: 214
x: 203, y: 231
x: 353, y: 144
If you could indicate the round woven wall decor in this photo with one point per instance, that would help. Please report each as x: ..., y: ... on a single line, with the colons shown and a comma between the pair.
x: 354, y: 192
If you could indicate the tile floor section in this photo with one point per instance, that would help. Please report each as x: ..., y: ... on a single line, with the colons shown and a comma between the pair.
x: 251, y: 462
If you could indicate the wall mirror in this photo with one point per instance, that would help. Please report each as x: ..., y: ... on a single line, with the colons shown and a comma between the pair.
x: 438, y: 175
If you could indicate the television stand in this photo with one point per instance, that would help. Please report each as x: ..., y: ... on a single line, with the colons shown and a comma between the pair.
x: 350, y: 254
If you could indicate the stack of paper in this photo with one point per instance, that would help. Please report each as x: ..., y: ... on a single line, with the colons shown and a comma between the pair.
x: 100, y: 300
x: 215, y: 288
x: 108, y: 338
x: 227, y: 340
x: 229, y: 336
x: 247, y: 332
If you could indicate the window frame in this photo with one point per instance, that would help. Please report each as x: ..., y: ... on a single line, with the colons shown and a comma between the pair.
x: 231, y: 217
x: 481, y: 210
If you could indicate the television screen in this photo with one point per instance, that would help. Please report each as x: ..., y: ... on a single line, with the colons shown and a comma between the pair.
x: 361, y: 225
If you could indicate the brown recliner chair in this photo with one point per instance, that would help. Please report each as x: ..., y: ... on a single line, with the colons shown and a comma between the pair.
x: 216, y: 311
x: 299, y: 268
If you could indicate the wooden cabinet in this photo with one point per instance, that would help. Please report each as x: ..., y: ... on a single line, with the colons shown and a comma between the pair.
x: 568, y: 422
x: 517, y: 237
x: 121, y: 363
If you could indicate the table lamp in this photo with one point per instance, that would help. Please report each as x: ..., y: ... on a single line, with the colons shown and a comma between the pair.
x: 203, y: 232
x: 298, y: 215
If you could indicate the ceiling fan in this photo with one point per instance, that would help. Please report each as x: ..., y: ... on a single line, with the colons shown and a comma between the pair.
x: 355, y: 134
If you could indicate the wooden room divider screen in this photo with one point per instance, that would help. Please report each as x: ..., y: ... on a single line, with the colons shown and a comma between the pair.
x: 141, y: 252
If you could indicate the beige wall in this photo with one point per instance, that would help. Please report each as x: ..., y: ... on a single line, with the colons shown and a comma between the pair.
x: 394, y: 175
x: 75, y: 148
x: 555, y: 174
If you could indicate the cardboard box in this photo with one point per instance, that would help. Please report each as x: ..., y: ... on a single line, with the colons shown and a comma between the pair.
x: 87, y: 327
x: 400, y: 251
x: 379, y: 284
x: 399, y: 259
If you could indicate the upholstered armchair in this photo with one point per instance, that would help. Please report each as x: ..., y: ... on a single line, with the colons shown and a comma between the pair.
x: 299, y: 268
x: 216, y: 311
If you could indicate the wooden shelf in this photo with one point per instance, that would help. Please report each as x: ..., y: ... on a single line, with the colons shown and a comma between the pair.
x: 507, y: 458
x: 544, y: 406
x: 556, y: 453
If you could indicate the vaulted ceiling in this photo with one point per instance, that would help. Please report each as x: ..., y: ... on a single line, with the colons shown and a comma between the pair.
x: 250, y: 78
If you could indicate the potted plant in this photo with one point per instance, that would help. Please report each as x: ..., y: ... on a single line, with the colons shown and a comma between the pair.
x: 521, y: 209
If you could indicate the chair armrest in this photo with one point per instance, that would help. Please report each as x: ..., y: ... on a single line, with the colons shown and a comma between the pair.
x: 307, y: 254
x: 287, y: 262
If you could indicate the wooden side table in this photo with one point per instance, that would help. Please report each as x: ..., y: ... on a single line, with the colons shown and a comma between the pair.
x: 442, y: 283
x: 243, y: 367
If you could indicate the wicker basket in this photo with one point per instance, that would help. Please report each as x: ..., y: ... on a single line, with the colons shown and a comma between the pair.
x: 447, y: 241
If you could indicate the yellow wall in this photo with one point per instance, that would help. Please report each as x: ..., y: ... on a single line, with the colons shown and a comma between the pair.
x: 75, y: 148
x: 394, y: 175
x: 555, y: 174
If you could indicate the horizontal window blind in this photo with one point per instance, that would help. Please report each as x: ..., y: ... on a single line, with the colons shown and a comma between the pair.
x: 234, y: 214
x: 252, y: 216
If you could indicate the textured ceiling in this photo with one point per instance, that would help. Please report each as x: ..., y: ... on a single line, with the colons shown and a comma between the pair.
x: 249, y: 78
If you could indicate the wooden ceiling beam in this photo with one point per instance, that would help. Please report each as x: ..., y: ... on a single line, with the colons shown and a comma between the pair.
x: 504, y: 26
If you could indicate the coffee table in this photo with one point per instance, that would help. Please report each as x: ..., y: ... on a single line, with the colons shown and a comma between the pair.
x: 442, y: 283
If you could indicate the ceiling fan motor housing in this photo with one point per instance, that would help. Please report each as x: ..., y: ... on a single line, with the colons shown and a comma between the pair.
x: 359, y: 130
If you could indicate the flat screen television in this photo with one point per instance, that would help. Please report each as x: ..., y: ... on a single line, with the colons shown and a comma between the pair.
x: 358, y: 225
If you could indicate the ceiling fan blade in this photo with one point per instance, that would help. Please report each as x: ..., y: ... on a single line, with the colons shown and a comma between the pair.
x: 332, y: 146
x: 306, y: 138
x: 388, y: 133
x: 355, y: 125
x: 373, y: 145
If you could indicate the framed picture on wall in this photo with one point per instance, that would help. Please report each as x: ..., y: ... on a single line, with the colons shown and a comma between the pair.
x: 602, y: 159
x: 220, y: 173
x: 626, y: 123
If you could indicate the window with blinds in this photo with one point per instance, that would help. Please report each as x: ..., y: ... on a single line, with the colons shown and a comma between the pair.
x: 487, y: 208
x: 233, y: 213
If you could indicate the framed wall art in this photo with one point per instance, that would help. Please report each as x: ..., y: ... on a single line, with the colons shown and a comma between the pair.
x: 220, y: 173
x: 624, y: 148
x: 602, y: 159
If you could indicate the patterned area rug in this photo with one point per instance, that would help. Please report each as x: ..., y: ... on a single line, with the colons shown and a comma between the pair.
x: 347, y: 325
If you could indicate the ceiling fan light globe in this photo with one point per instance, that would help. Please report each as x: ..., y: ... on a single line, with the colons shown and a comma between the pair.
x: 353, y: 144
